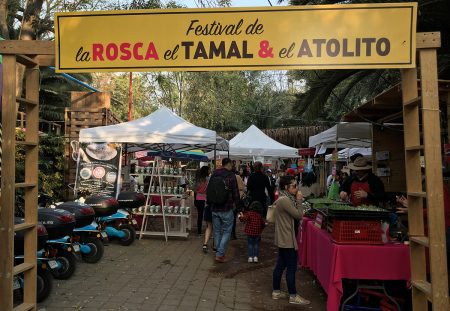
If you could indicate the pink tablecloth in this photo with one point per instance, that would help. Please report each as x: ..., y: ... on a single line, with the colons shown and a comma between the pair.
x: 332, y: 262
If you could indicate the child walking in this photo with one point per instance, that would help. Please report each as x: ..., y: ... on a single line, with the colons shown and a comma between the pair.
x: 254, y: 225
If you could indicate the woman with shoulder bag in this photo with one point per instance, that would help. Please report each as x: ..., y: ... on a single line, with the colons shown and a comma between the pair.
x: 201, y: 182
x: 288, y: 210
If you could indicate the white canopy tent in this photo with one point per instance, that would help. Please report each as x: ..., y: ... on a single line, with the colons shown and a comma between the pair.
x: 253, y: 143
x: 162, y: 130
x: 345, y: 154
x: 343, y: 135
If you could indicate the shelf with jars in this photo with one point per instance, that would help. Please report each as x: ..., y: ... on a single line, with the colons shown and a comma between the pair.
x: 164, y: 184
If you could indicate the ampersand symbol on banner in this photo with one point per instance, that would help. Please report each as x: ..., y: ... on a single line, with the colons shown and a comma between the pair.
x: 265, y: 50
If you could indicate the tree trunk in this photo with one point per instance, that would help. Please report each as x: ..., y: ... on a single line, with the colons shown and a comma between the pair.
x: 27, y: 32
x: 4, y: 19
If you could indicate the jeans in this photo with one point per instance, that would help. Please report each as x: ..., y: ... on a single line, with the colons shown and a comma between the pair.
x: 222, y: 225
x: 200, y: 205
x: 287, y: 258
x: 253, y: 245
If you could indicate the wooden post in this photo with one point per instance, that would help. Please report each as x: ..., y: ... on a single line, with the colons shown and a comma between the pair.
x: 8, y: 182
x: 434, y: 183
x: 31, y: 176
x: 414, y: 183
x: 448, y: 118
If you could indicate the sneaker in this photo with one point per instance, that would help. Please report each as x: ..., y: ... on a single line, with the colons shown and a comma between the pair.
x: 298, y: 300
x: 250, y: 259
x: 255, y: 259
x: 220, y: 259
x: 205, y: 248
x: 279, y: 295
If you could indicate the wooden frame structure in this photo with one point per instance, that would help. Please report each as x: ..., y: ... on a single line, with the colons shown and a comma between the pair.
x: 19, y: 53
x: 41, y: 53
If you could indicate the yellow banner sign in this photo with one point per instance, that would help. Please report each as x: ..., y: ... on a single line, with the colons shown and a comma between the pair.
x: 295, y: 37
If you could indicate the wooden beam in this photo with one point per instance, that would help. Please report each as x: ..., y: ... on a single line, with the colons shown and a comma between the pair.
x: 428, y: 40
x: 45, y: 60
x: 434, y: 182
x: 7, y: 197
x: 391, y: 117
x: 31, y: 176
x: 27, y: 47
x: 448, y: 117
x: 414, y: 184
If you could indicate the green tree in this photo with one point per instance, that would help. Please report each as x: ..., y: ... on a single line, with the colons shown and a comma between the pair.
x: 118, y: 85
x: 331, y: 93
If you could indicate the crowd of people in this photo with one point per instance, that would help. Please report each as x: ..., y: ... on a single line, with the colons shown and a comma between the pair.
x: 245, y: 193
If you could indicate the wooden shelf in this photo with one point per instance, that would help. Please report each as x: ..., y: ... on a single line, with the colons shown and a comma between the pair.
x: 422, y: 240
x: 156, y: 175
x: 423, y: 286
x: 165, y: 214
x: 26, y: 143
x: 413, y: 102
x: 25, y: 185
x: 25, y: 307
x: 27, y: 61
x: 414, y: 148
x: 165, y: 195
x: 418, y: 194
x: 26, y: 101
x: 23, y: 267
x: 170, y: 234
x: 23, y: 226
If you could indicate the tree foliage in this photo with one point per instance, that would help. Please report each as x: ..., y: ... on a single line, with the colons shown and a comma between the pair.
x: 331, y: 93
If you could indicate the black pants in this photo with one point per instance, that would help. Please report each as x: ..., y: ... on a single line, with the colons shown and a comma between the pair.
x: 200, y: 205
x: 287, y: 260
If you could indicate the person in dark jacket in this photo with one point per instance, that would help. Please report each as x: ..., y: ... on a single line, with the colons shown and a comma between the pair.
x: 363, y: 187
x: 222, y: 214
x: 257, y: 185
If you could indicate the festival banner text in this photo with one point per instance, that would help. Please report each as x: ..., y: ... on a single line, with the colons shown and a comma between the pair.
x: 295, y: 37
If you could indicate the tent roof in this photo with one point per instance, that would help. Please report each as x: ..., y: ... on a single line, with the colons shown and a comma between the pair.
x: 161, y: 130
x: 254, y: 143
x: 346, y: 135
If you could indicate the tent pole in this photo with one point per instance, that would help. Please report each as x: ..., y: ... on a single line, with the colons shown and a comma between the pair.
x: 215, y: 155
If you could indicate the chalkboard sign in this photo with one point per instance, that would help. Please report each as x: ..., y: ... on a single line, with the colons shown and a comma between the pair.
x: 98, y: 169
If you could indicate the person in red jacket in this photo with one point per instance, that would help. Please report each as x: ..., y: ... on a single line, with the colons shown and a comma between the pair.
x: 254, y: 225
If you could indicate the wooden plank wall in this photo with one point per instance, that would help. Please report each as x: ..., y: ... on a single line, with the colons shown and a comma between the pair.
x: 88, y: 109
x: 386, y: 139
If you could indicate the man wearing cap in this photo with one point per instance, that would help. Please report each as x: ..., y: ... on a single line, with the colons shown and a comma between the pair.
x: 363, y: 188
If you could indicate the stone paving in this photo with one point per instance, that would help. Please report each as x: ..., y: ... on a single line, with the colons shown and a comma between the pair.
x: 149, y: 275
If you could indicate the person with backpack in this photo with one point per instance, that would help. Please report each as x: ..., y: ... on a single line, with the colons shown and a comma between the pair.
x: 254, y: 225
x: 222, y: 194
